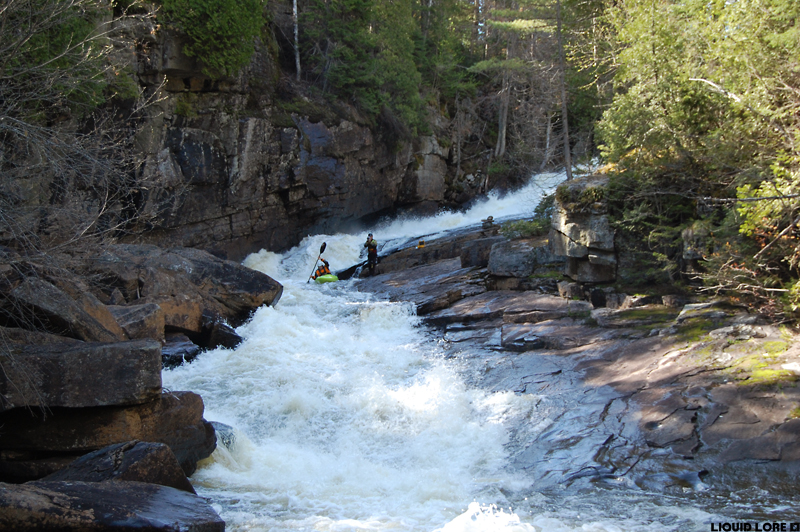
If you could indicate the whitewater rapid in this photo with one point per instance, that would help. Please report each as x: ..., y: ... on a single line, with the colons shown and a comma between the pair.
x: 348, y: 416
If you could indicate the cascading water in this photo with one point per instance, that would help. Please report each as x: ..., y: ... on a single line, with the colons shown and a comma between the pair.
x: 348, y: 416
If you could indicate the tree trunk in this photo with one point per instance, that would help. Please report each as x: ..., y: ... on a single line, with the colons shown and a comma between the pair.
x: 563, y: 64
x: 500, y: 148
x: 458, y: 136
x: 296, y: 38
x: 547, y: 152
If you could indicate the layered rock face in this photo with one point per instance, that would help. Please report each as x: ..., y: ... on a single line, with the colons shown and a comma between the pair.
x: 581, y: 232
x: 83, y: 351
x: 240, y: 169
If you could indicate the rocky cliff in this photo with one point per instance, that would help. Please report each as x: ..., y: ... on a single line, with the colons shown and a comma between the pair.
x: 249, y: 163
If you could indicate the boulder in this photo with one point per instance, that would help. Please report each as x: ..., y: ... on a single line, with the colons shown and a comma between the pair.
x: 476, y: 252
x: 137, y: 461
x: 104, y: 506
x: 519, y: 258
x: 15, y: 335
x: 217, y: 333
x: 177, y: 350
x: 570, y: 290
x: 140, y: 321
x: 175, y: 419
x: 581, y: 232
x: 444, y: 248
x: 80, y: 374
x: 184, y: 282
x: 33, y: 300
x: 17, y: 467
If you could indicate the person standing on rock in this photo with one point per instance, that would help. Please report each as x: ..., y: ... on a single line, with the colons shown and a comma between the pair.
x: 372, y: 253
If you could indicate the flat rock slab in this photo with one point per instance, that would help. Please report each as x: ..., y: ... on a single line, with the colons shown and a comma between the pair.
x: 497, y: 304
x: 175, y: 419
x: 89, y: 506
x: 430, y: 287
x: 80, y: 374
x: 565, y: 333
x: 136, y: 461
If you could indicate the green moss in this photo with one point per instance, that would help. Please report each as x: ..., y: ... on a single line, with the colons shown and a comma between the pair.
x: 315, y: 112
x: 282, y: 119
x: 695, y: 330
x: 769, y: 376
x: 123, y: 85
x: 574, y: 198
x: 795, y: 413
x: 654, y: 314
x: 758, y: 370
x: 186, y: 105
x: 525, y: 228
x: 775, y: 347
x: 591, y: 195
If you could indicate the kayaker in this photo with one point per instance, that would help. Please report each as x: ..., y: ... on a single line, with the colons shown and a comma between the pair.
x: 324, y: 269
x: 372, y: 253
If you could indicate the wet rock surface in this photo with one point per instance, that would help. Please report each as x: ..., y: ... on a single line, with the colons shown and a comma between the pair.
x: 647, y: 395
x: 136, y: 461
x: 124, y: 505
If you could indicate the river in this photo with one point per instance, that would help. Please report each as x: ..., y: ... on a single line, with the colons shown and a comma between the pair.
x: 350, y: 416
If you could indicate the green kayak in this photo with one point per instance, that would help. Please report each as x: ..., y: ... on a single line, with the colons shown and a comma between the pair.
x: 327, y: 278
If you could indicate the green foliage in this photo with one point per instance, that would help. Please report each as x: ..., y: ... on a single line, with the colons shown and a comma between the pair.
x: 537, y: 226
x: 525, y: 228
x: 186, y: 105
x: 363, y: 51
x: 221, y: 32
x: 703, y: 108
x: 55, y: 58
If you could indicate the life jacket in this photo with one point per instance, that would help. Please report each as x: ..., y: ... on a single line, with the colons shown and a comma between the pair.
x: 323, y: 269
x: 372, y: 247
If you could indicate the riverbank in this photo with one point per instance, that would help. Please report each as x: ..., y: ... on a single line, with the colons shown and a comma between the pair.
x: 659, y: 393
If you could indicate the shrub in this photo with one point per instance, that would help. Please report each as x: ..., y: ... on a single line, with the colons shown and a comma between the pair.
x: 221, y: 32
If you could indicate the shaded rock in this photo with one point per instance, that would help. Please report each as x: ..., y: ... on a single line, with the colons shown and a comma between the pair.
x: 520, y: 258
x: 672, y: 300
x: 140, y: 321
x: 217, y: 333
x: 177, y: 350
x: 557, y: 335
x: 640, y: 301
x: 34, y: 300
x: 17, y: 467
x: 70, y: 505
x: 597, y: 297
x: 149, y: 462
x: 475, y: 253
x: 570, y: 290
x: 16, y: 335
x: 80, y: 374
x: 410, y: 257
x: 492, y: 305
x: 429, y: 287
x: 175, y: 419
x: 655, y: 316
